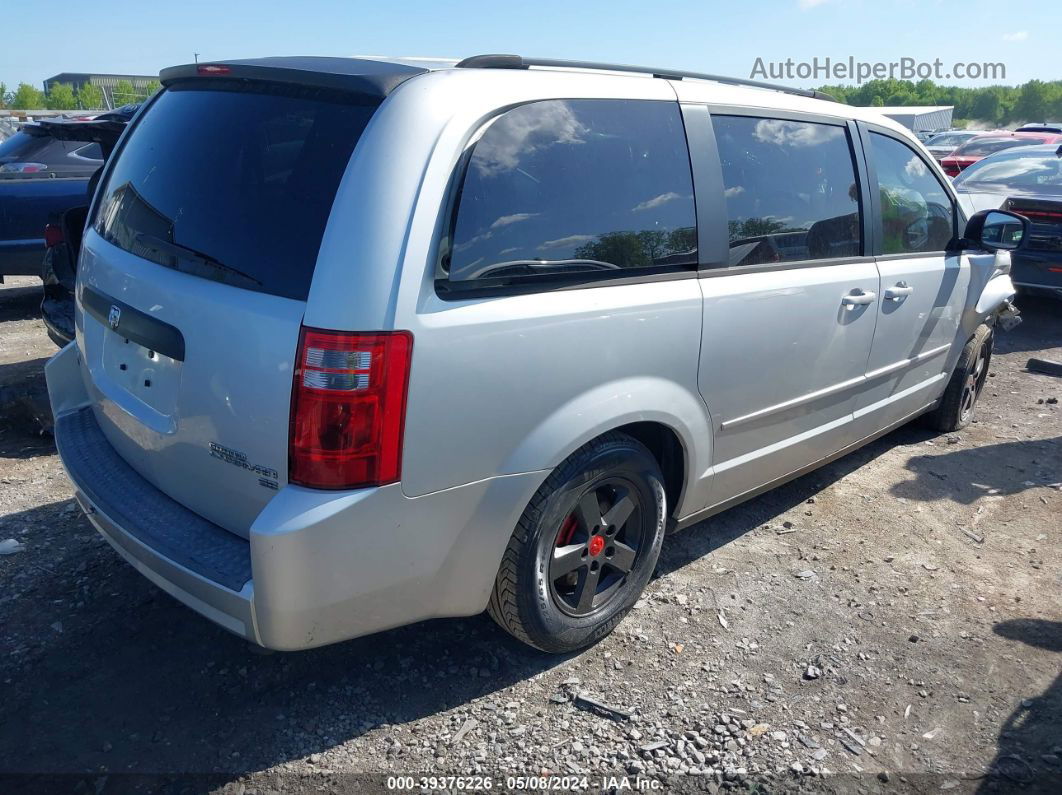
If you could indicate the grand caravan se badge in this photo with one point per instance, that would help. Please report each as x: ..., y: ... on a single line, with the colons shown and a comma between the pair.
x: 269, y: 476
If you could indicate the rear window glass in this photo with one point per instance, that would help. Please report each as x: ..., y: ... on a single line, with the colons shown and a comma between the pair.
x: 21, y: 144
x: 233, y: 182
x: 947, y: 140
x: 990, y: 145
x: 47, y: 157
x: 576, y: 187
x: 1017, y: 171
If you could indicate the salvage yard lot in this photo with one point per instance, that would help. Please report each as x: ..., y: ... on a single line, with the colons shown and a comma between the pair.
x: 895, y: 617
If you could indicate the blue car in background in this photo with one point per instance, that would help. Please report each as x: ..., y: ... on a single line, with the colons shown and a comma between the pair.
x: 45, y: 169
x: 38, y: 175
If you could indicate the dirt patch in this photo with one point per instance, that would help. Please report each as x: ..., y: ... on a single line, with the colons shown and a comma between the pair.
x: 893, y: 620
x: 24, y: 348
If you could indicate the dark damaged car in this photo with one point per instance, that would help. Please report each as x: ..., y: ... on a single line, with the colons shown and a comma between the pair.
x: 1027, y: 181
x: 63, y: 226
x: 38, y: 175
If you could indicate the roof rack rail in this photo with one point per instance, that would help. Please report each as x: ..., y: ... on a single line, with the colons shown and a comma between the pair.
x: 520, y: 62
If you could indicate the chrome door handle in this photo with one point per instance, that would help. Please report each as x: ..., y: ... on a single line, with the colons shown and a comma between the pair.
x: 858, y: 298
x: 898, y: 291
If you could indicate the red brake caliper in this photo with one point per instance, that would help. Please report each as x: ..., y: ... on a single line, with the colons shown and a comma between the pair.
x: 564, y: 537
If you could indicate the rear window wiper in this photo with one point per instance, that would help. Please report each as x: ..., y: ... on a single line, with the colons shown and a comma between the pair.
x: 207, y: 263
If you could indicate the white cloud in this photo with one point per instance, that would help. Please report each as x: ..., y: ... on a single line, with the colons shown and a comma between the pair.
x: 806, y: 4
x: 737, y: 190
x: 1020, y: 35
x: 515, y: 218
x: 795, y: 134
x: 525, y: 130
x: 472, y: 241
x: 915, y: 167
x: 564, y: 242
x: 655, y: 202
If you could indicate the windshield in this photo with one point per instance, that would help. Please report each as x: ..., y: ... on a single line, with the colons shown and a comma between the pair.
x: 986, y: 146
x: 233, y: 182
x: 1014, y: 171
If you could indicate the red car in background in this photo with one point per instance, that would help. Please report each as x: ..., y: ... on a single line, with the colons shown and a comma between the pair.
x: 990, y: 143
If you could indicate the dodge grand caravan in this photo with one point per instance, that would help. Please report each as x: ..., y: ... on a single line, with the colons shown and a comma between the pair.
x: 361, y: 342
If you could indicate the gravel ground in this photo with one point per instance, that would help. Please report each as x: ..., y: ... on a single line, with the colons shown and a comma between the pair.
x: 892, y: 621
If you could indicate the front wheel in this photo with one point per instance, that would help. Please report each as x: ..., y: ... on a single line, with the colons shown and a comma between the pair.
x: 584, y: 548
x: 957, y: 405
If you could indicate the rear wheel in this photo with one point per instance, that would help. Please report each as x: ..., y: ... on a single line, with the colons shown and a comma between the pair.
x: 957, y: 405
x: 584, y: 548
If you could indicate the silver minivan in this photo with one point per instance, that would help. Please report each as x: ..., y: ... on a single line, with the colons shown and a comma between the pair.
x: 365, y: 342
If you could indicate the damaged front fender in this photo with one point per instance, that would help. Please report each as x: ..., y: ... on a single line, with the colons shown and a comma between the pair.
x: 997, y: 295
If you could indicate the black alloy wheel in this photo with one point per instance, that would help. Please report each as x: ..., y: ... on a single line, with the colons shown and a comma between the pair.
x: 584, y: 548
x: 596, y: 548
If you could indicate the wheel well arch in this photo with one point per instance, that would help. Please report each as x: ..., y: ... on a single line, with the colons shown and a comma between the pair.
x: 667, y: 417
x: 667, y: 448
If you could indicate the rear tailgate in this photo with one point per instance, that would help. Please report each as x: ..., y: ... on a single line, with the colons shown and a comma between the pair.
x: 1045, y: 217
x: 193, y: 280
x: 1039, y: 260
x: 192, y: 386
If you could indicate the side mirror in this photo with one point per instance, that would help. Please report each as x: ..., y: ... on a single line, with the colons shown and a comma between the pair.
x: 996, y: 230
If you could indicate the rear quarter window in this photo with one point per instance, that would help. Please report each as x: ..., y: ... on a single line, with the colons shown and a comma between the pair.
x: 233, y: 182
x: 571, y: 189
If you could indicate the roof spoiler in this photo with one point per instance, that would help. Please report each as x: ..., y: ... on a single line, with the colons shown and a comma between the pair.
x: 370, y: 78
x: 105, y: 132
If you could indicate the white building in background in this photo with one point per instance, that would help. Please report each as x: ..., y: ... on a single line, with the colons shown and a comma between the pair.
x: 920, y: 118
x: 106, y: 84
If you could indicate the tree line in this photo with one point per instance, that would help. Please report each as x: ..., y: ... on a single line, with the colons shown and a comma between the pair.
x: 1036, y: 100
x: 63, y: 96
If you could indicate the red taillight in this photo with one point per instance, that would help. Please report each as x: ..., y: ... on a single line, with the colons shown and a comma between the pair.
x: 22, y: 168
x: 53, y: 235
x: 212, y: 69
x: 348, y: 408
x: 1040, y: 215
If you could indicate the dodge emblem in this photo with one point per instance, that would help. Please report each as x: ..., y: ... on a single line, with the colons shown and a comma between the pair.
x: 114, y: 317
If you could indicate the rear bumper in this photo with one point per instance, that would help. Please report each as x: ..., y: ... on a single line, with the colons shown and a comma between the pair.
x: 56, y: 323
x: 199, y: 563
x: 317, y: 567
x: 234, y: 610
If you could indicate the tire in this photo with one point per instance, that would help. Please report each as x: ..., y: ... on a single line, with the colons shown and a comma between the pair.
x: 959, y: 401
x: 584, y: 548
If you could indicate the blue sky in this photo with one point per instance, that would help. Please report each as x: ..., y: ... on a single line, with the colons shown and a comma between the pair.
x: 134, y: 36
